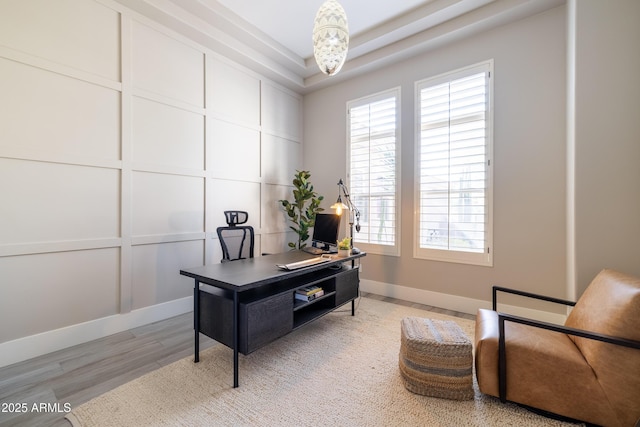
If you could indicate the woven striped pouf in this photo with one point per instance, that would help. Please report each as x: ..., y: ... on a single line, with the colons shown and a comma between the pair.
x: 436, y: 358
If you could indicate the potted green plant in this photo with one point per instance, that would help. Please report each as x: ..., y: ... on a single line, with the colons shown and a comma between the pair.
x: 303, y: 209
x: 344, y: 247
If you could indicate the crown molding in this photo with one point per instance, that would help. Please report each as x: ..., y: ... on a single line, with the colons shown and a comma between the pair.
x: 438, y: 22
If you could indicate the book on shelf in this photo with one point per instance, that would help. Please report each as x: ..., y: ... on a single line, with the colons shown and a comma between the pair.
x: 311, y: 297
x: 308, y: 290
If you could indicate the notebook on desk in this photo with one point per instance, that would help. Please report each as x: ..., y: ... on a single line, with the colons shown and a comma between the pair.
x: 313, y: 250
x: 317, y: 251
x: 304, y: 263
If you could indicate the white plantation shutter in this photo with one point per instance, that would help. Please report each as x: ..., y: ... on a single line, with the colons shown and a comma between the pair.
x: 454, y: 167
x: 373, y: 141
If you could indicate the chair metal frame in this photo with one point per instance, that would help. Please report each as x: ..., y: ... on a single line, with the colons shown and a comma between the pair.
x: 503, y: 317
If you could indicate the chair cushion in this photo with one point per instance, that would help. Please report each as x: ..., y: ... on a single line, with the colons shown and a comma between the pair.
x: 611, y: 306
x: 545, y: 370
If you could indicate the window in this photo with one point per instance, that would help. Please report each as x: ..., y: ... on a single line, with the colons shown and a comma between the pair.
x: 453, y: 169
x: 373, y: 153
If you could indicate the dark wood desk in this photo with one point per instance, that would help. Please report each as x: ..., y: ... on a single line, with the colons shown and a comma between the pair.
x: 247, y: 304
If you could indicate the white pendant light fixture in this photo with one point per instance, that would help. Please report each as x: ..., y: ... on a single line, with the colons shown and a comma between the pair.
x: 330, y: 37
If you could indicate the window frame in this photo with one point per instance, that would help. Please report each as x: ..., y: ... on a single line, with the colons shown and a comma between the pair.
x: 484, y: 258
x: 375, y: 248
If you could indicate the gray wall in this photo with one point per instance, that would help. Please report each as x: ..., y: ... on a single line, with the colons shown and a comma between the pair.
x: 607, y: 138
x: 566, y: 152
x: 88, y: 248
x: 529, y: 157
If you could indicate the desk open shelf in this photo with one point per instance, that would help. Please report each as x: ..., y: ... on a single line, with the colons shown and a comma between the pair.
x: 299, y: 305
x: 269, y: 313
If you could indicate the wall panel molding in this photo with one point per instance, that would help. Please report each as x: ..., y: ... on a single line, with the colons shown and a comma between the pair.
x: 126, y: 175
x: 34, y: 248
x: 147, y: 146
x: 57, y: 68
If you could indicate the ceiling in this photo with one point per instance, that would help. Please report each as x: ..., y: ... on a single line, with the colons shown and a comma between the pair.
x: 273, y: 37
x: 295, y: 34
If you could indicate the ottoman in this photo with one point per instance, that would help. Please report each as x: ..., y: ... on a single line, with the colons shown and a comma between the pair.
x: 435, y: 358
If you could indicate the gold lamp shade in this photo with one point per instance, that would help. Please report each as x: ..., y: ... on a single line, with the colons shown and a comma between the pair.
x: 339, y: 206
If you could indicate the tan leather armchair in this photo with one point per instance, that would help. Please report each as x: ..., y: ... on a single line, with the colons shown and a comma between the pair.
x: 587, y: 370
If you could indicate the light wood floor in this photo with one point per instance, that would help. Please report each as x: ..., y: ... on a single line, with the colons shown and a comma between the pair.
x: 78, y: 374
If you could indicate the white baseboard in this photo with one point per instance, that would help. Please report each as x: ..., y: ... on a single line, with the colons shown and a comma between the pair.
x: 453, y: 302
x: 36, y: 345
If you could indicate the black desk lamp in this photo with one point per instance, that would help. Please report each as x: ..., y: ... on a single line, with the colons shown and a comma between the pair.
x: 339, y: 205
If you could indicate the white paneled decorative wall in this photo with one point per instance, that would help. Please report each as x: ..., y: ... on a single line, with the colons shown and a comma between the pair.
x: 121, y: 144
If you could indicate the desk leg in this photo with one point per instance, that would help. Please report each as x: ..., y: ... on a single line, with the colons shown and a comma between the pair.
x: 196, y: 321
x: 235, y: 339
x: 353, y: 301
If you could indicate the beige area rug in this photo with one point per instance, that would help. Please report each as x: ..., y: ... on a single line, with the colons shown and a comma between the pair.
x: 337, y: 371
